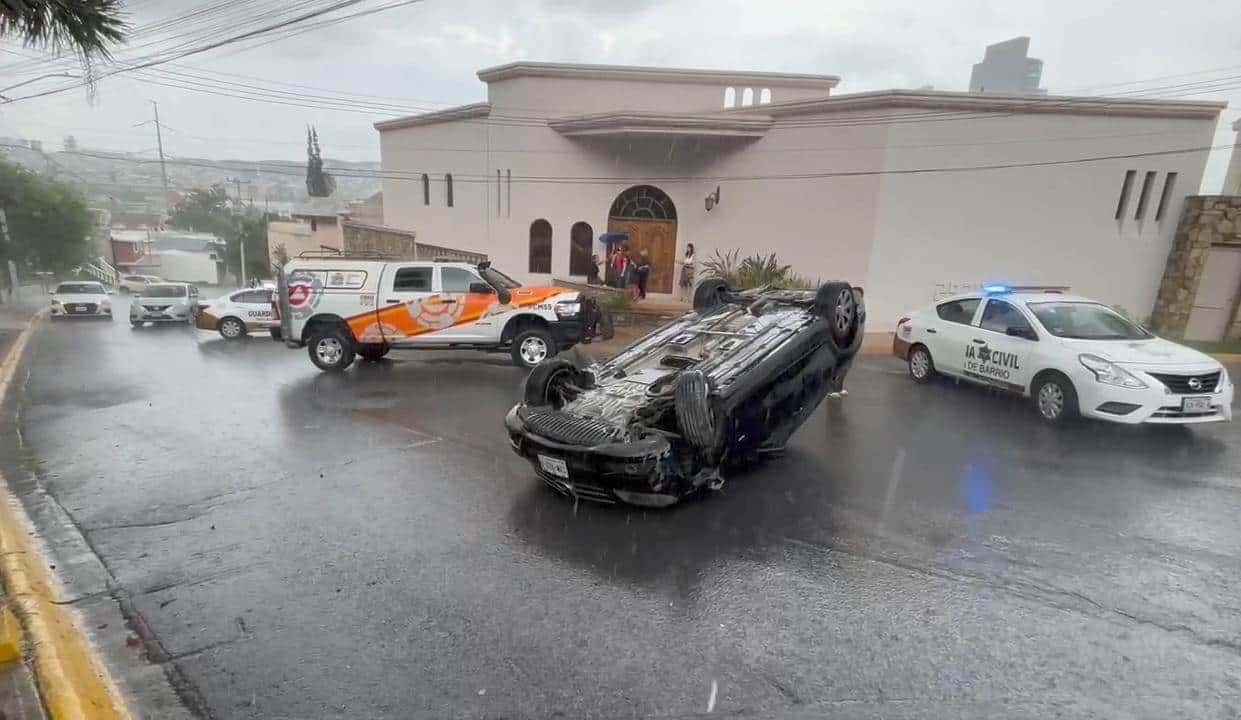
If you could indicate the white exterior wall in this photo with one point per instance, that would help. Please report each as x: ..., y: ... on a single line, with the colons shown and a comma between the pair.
x: 1052, y: 225
x: 527, y: 96
x: 905, y: 238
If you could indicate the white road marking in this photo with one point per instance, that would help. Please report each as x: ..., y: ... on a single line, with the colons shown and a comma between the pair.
x: 711, y: 700
x: 898, y: 467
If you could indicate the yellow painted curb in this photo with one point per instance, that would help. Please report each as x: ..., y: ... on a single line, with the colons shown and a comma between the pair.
x: 72, y: 680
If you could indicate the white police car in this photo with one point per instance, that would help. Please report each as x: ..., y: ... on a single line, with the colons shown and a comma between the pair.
x: 239, y: 313
x: 1071, y: 355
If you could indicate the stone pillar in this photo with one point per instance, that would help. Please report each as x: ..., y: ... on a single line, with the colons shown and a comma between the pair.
x: 1179, y: 284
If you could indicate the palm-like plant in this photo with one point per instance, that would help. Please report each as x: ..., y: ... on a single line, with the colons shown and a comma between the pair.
x: 87, y: 27
x: 753, y: 271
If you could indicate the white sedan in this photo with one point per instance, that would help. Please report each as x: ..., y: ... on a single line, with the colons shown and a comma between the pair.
x: 1070, y: 355
x: 239, y: 313
x: 85, y: 299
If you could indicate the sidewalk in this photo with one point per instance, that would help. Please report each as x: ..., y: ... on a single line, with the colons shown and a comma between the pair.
x: 19, y: 697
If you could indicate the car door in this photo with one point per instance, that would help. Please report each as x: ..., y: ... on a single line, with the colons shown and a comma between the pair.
x: 469, y: 309
x: 1002, y: 348
x: 404, y: 290
x: 254, y: 306
x: 950, y: 332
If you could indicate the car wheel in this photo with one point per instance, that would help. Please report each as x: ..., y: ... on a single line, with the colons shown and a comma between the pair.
x: 231, y: 328
x: 835, y: 303
x: 921, y: 367
x: 331, y: 350
x: 1055, y: 399
x: 136, y: 323
x: 275, y: 333
x: 371, y: 352
x: 545, y: 385
x: 695, y: 413
x: 532, y: 347
x: 710, y: 294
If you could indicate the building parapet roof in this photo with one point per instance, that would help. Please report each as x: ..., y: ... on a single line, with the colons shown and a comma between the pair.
x: 987, y: 102
x: 654, y: 74
x: 461, y: 112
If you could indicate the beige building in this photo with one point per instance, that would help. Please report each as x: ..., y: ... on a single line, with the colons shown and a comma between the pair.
x: 912, y: 194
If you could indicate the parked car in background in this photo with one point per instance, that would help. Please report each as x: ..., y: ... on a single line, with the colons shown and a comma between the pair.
x: 1071, y: 355
x: 164, y: 303
x: 136, y: 283
x: 81, y: 299
x: 724, y: 385
x: 238, y: 313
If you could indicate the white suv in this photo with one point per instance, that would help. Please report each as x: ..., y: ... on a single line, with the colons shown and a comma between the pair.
x: 340, y: 307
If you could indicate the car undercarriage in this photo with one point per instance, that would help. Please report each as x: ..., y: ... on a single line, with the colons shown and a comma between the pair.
x: 713, y: 390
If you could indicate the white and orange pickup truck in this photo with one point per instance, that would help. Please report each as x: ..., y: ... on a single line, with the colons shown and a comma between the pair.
x: 342, y: 306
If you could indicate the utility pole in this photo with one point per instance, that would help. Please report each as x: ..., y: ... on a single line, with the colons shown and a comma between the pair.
x: 159, y: 141
x: 242, y: 238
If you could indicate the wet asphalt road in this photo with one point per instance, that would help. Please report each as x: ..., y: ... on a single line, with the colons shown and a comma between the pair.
x: 365, y: 545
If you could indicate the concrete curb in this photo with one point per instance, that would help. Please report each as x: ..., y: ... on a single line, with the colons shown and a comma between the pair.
x: 72, y: 681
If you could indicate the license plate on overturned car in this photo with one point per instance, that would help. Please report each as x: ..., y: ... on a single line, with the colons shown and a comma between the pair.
x: 1196, y: 404
x: 554, y: 466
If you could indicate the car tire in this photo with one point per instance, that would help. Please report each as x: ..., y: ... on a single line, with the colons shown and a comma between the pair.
x: 232, y: 328
x: 371, y: 352
x: 135, y: 324
x: 710, y: 294
x: 540, y: 387
x: 331, y: 349
x: 921, y: 366
x: 836, y: 303
x: 1054, y: 399
x: 275, y: 333
x: 532, y: 347
x: 695, y: 413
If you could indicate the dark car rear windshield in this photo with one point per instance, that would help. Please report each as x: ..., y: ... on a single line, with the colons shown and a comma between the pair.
x: 80, y: 289
x: 164, y: 291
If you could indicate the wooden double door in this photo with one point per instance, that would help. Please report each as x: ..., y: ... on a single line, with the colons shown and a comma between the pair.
x: 659, y: 239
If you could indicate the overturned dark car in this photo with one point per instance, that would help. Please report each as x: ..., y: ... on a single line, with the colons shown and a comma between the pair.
x: 716, y: 389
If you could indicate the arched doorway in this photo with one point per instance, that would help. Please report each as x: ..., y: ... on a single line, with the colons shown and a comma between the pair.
x: 647, y: 214
x: 540, y: 246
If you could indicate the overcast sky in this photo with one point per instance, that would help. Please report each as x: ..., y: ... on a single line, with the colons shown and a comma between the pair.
x: 426, y: 54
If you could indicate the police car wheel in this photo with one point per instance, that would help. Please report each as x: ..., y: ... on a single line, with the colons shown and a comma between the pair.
x: 136, y: 323
x: 921, y: 367
x: 231, y: 328
x: 331, y: 350
x: 1055, y: 399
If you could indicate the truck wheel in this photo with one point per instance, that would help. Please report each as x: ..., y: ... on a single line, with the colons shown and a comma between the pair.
x: 695, y: 413
x: 532, y: 347
x: 835, y: 303
x: 331, y: 349
x: 709, y: 295
x: 232, y: 329
x: 545, y: 383
x: 373, y: 352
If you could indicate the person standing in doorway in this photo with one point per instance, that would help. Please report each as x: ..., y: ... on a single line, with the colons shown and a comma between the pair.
x: 621, y: 265
x: 642, y: 273
x: 686, y: 282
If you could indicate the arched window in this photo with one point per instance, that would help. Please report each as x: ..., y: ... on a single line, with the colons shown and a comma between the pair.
x: 643, y: 202
x: 730, y: 97
x: 426, y: 189
x: 764, y: 97
x: 581, y: 238
x: 448, y: 189
x: 540, y: 246
x: 747, y: 97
